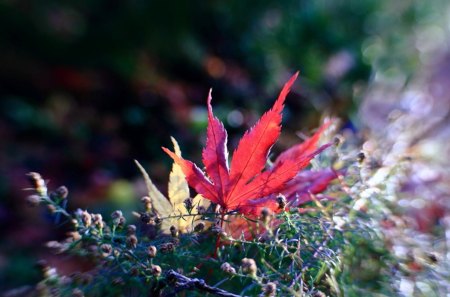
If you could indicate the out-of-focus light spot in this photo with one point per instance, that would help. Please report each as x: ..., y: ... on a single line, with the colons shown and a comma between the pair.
x: 372, y: 48
x: 430, y: 39
x: 215, y: 67
x: 235, y: 118
x: 418, y: 203
x: 406, y: 287
x: 198, y: 115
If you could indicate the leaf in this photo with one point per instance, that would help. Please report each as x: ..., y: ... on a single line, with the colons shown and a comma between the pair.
x: 245, y: 186
x: 178, y: 189
x: 215, y: 153
x: 251, y: 154
x: 159, y: 202
x: 178, y: 192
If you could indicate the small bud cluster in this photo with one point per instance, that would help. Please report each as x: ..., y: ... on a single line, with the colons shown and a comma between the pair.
x: 249, y: 267
x: 118, y: 218
x: 227, y: 268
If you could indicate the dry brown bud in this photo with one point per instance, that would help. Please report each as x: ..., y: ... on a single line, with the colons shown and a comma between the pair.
x: 361, y: 157
x: 134, y: 271
x: 62, y: 192
x: 269, y: 289
x: 167, y: 247
x: 116, y: 214
x: 188, y: 203
x: 266, y: 215
x: 227, y: 268
x: 249, y: 266
x: 173, y: 231
x: 38, y: 183
x: 132, y: 241
x: 199, y: 227
x: 281, y: 200
x: 131, y: 229
x: 106, y: 250
x: 86, y: 218
x: 97, y: 220
x: 151, y: 251
x: 156, y: 270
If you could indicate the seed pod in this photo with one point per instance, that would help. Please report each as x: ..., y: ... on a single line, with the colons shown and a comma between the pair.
x: 38, y: 183
x: 361, y: 157
x: 131, y: 229
x: 132, y: 241
x: 227, y: 268
x: 249, y: 266
x: 173, y: 231
x: 266, y: 215
x: 188, y: 203
x: 151, y: 251
x: 62, y: 192
x: 199, y: 227
x: 156, y: 270
x: 269, y: 289
x: 86, y: 218
x: 281, y: 200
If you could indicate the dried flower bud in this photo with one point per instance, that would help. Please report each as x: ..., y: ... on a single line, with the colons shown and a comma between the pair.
x: 134, y: 271
x: 106, y: 250
x: 75, y: 235
x: 249, y: 266
x: 167, y: 247
x: 38, y: 183
x: 361, y: 157
x: 86, y: 218
x: 131, y: 229
x: 227, y: 268
x: 281, y: 200
x: 201, y: 209
x: 188, y: 203
x: 156, y: 270
x: 146, y: 218
x: 338, y: 140
x: 199, y: 227
x: 266, y: 215
x: 173, y: 231
x: 33, y: 200
x: 116, y: 214
x: 151, y: 251
x: 147, y: 203
x: 77, y: 293
x: 132, y: 241
x: 269, y: 289
x: 97, y: 220
x: 62, y: 192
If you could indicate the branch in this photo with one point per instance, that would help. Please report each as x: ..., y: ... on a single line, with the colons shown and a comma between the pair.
x: 182, y: 283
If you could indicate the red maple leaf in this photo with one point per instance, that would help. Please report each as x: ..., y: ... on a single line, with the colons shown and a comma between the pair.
x: 245, y: 186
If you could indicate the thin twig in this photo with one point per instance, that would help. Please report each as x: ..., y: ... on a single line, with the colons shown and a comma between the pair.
x: 182, y: 283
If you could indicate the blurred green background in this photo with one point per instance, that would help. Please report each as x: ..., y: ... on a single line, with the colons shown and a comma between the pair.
x: 88, y: 86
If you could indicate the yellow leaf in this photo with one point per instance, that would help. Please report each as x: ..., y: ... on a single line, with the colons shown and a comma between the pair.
x: 160, y: 203
x: 174, y: 206
x: 178, y: 187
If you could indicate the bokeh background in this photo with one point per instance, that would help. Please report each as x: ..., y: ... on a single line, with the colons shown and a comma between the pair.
x: 88, y: 86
